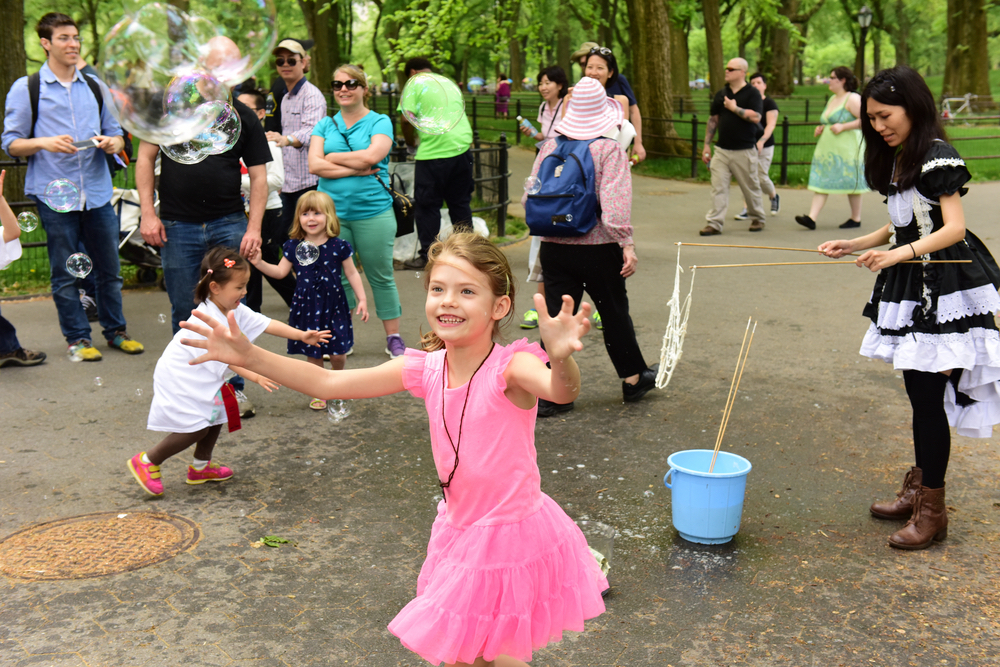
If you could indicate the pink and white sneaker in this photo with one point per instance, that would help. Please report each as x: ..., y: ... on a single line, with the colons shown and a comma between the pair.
x: 211, y: 473
x: 147, y: 474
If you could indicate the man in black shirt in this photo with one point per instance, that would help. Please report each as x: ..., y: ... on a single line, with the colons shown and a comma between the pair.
x: 736, y: 112
x: 201, y: 207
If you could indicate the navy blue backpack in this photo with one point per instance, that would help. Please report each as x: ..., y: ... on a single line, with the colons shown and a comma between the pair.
x: 566, y: 203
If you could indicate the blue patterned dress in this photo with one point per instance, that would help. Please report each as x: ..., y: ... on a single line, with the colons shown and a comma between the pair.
x: 838, y: 163
x: 319, y: 301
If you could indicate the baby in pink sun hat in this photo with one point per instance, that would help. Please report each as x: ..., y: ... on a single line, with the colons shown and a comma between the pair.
x: 590, y: 113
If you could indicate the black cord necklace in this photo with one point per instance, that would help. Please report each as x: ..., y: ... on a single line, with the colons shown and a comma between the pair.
x: 455, y: 446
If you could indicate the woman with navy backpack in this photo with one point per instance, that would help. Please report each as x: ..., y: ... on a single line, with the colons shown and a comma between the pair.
x: 599, y: 260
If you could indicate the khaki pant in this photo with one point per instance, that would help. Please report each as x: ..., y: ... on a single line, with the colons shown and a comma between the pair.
x: 763, y: 167
x: 741, y: 165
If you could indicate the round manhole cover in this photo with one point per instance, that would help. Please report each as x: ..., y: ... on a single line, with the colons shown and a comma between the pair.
x: 95, y: 545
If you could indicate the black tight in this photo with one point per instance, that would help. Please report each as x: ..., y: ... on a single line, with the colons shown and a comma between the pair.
x: 175, y: 443
x: 931, y: 436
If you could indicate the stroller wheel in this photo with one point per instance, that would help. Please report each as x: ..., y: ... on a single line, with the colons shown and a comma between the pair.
x: 145, y: 275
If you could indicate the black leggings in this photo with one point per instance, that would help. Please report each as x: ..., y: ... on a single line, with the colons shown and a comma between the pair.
x: 931, y: 436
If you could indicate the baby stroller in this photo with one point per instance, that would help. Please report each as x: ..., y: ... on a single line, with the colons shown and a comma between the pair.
x: 132, y: 248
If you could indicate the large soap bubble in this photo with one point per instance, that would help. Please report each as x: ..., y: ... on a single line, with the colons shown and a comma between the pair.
x: 27, y: 221
x: 226, y: 129
x: 306, y: 253
x: 79, y: 265
x: 61, y: 195
x: 163, y: 65
x: 432, y: 103
x: 187, y: 152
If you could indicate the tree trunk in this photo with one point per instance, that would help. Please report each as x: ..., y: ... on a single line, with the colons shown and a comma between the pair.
x: 713, y: 44
x: 650, y: 33
x: 323, y: 29
x: 901, y: 36
x: 876, y: 51
x: 679, y: 61
x: 604, y: 36
x: 378, y: 54
x: 968, y: 56
x: 563, y: 48
x: 780, y: 83
x: 12, y: 59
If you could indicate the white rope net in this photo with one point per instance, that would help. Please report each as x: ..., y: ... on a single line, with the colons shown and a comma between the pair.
x: 677, y: 319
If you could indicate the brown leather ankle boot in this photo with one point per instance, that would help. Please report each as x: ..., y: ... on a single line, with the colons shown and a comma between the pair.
x: 902, y: 506
x: 928, y: 524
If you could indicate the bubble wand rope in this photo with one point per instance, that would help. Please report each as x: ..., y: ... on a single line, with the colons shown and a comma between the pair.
x: 733, y: 389
x: 753, y: 247
x: 677, y: 319
x: 847, y: 261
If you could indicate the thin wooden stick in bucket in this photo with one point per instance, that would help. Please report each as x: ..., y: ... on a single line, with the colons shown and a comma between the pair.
x: 741, y: 363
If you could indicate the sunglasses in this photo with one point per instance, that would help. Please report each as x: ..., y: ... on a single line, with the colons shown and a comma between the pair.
x: 600, y: 50
x: 350, y: 84
x: 734, y: 69
x: 280, y: 62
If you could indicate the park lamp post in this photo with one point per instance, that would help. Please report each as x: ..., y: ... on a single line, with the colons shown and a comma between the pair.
x: 864, y: 20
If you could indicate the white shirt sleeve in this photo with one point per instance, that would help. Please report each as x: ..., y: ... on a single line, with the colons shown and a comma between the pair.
x: 9, y: 251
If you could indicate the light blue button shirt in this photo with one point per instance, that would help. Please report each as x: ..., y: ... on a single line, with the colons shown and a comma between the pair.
x: 63, y: 110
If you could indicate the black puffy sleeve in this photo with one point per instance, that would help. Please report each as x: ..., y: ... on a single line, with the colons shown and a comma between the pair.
x: 943, y: 172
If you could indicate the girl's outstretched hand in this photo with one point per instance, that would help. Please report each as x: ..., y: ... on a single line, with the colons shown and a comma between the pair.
x: 222, y: 343
x: 315, y: 338
x: 362, y: 310
x: 563, y: 332
x: 266, y: 383
x: 836, y: 249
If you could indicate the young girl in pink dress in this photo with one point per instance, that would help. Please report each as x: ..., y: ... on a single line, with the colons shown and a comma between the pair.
x: 507, y: 571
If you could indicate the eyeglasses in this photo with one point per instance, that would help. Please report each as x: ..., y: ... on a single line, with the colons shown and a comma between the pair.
x: 66, y: 39
x: 280, y: 62
x: 734, y: 69
x: 350, y: 84
x: 600, y: 50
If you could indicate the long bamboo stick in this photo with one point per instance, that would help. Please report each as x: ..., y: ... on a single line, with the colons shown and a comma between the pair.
x: 729, y: 397
x: 753, y: 247
x: 835, y: 261
x: 725, y: 423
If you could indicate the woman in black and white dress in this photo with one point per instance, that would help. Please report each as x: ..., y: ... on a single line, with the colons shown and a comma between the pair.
x: 934, y: 322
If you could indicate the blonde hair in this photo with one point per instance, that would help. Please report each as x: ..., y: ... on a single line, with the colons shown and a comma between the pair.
x: 485, y: 258
x: 355, y: 72
x: 314, y: 200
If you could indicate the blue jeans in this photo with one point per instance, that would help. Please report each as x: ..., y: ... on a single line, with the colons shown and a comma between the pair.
x: 8, y: 337
x: 97, y: 229
x: 187, y: 243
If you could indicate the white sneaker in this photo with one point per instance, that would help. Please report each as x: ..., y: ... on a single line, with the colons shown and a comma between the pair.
x: 246, y: 407
x: 742, y: 215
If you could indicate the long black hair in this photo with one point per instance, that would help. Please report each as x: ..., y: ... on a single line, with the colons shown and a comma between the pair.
x: 904, y: 87
x: 556, y: 75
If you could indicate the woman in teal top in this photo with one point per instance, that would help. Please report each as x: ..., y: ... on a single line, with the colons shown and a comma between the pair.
x: 838, y: 163
x: 346, y: 152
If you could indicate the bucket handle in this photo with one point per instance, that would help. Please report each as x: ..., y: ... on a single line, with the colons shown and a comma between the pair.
x: 665, y: 482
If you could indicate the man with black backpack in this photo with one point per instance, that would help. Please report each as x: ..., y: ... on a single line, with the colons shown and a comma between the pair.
x: 66, y: 135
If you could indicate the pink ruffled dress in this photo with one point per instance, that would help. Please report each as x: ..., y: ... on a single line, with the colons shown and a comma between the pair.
x: 507, y: 571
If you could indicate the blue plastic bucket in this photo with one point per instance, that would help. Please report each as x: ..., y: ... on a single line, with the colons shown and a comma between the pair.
x: 706, y: 506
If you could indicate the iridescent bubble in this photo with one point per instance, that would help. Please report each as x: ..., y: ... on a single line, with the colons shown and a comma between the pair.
x: 432, y: 103
x: 138, y: 392
x: 306, y: 253
x: 187, y: 152
x: 79, y: 265
x: 532, y: 185
x: 161, y: 318
x: 98, y: 382
x: 337, y: 411
x: 61, y: 195
x: 226, y: 129
x: 162, y: 64
x: 27, y: 221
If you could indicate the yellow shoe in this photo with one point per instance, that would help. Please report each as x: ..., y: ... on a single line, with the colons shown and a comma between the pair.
x: 82, y: 350
x: 126, y: 344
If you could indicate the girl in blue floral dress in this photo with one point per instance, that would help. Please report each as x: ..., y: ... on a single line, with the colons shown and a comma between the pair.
x: 319, y: 295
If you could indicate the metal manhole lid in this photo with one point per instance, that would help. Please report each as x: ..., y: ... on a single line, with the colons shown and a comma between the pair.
x: 95, y: 545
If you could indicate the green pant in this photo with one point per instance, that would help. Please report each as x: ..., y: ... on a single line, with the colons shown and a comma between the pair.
x: 372, y: 240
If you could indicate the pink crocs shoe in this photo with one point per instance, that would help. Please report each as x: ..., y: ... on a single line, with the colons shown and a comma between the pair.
x: 211, y: 473
x: 147, y: 474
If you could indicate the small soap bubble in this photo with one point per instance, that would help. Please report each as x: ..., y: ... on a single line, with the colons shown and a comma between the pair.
x: 61, y: 195
x: 161, y: 318
x: 338, y: 411
x: 138, y: 392
x: 569, y: 217
x: 225, y: 131
x: 27, y: 221
x: 98, y: 382
x: 306, y: 253
x: 532, y: 185
x: 417, y: 274
x: 432, y: 103
x: 648, y: 494
x: 79, y: 265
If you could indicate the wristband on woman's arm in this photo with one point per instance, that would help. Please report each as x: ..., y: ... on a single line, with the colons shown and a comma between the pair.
x: 913, y: 251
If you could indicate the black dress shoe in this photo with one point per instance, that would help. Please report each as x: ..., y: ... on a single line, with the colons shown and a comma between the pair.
x: 647, y: 380
x: 850, y: 224
x: 548, y: 408
x: 416, y: 264
x: 805, y: 221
